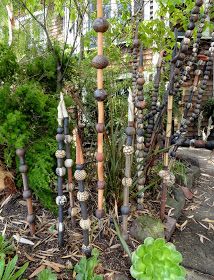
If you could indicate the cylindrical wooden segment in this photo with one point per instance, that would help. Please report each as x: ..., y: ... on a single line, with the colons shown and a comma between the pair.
x: 169, y: 116
x: 99, y: 8
x: 100, y: 78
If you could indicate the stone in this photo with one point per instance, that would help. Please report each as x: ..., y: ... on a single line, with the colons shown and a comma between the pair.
x: 146, y: 226
x: 195, y: 275
x: 178, y: 202
x: 170, y: 226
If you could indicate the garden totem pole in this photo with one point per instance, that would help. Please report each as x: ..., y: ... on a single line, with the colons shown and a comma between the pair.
x: 100, y: 62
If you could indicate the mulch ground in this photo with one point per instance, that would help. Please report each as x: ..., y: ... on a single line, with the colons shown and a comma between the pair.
x: 44, y: 251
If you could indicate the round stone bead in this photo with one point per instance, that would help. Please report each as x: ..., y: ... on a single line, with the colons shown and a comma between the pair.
x: 100, y: 214
x: 60, y: 154
x: 99, y: 157
x: 100, y: 185
x: 130, y: 131
x: 100, y: 25
x: 184, y: 48
x: 100, y: 62
x: 86, y: 250
x: 73, y: 211
x: 60, y: 171
x: 140, y: 139
x: 80, y: 175
x: 191, y: 25
x: 125, y: 210
x: 85, y: 224
x: 140, y: 81
x: 68, y: 139
x: 195, y: 10
x: 186, y: 41
x: 23, y: 168
x: 140, y: 132
x: 60, y: 137
x: 194, y: 17
x: 68, y: 162
x: 100, y: 127
x: 30, y: 218
x: 188, y: 33
x: 82, y: 196
x: 127, y: 182
x: 136, y: 43
x: 20, y: 152
x: 61, y: 200
x: 199, y: 3
x: 70, y: 187
x: 128, y: 150
x: 100, y: 94
x: 27, y: 194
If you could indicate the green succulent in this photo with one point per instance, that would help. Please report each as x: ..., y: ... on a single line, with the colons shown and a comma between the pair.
x: 157, y: 260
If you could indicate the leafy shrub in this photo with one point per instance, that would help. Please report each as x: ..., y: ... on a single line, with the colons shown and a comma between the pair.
x: 208, y: 108
x: 157, y: 260
x: 47, y: 274
x: 28, y: 120
x: 8, y: 270
x: 8, y: 63
x: 5, y: 247
x: 85, y: 268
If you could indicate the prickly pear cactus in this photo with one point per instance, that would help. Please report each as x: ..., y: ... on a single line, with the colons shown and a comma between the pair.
x: 157, y: 260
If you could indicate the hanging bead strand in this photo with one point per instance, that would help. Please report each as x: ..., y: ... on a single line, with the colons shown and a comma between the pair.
x: 100, y: 62
x: 140, y: 106
x: 82, y: 195
x: 23, y: 168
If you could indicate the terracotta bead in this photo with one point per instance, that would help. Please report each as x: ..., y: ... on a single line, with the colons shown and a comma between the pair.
x: 99, y: 157
x: 100, y: 25
x: 100, y: 62
x: 100, y: 127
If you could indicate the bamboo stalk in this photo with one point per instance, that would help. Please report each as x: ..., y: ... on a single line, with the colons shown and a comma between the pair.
x: 100, y: 62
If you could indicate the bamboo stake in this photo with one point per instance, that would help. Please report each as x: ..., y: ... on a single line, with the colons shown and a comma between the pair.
x: 100, y: 62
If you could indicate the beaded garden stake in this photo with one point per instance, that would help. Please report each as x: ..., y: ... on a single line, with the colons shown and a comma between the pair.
x: 100, y: 62
x: 60, y: 172
x: 167, y: 177
x: 23, y: 168
x: 72, y: 211
x: 82, y: 195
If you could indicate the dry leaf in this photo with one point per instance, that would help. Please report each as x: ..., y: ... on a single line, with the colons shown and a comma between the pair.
x: 182, y: 227
x: 202, y: 237
x: 37, y: 271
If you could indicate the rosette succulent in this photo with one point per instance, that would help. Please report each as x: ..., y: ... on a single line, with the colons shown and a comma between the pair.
x: 157, y: 260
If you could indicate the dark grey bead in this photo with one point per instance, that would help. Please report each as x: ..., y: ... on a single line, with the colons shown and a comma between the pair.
x: 30, y: 219
x: 20, y: 152
x: 60, y: 137
x: 23, y: 168
x: 100, y: 62
x: 125, y: 210
x: 100, y: 94
x: 27, y: 194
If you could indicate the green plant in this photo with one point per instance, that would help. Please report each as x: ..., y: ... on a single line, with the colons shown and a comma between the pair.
x: 5, y: 247
x: 8, y: 270
x: 46, y: 274
x: 179, y: 169
x: 157, y: 260
x: 85, y: 269
x: 208, y: 108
